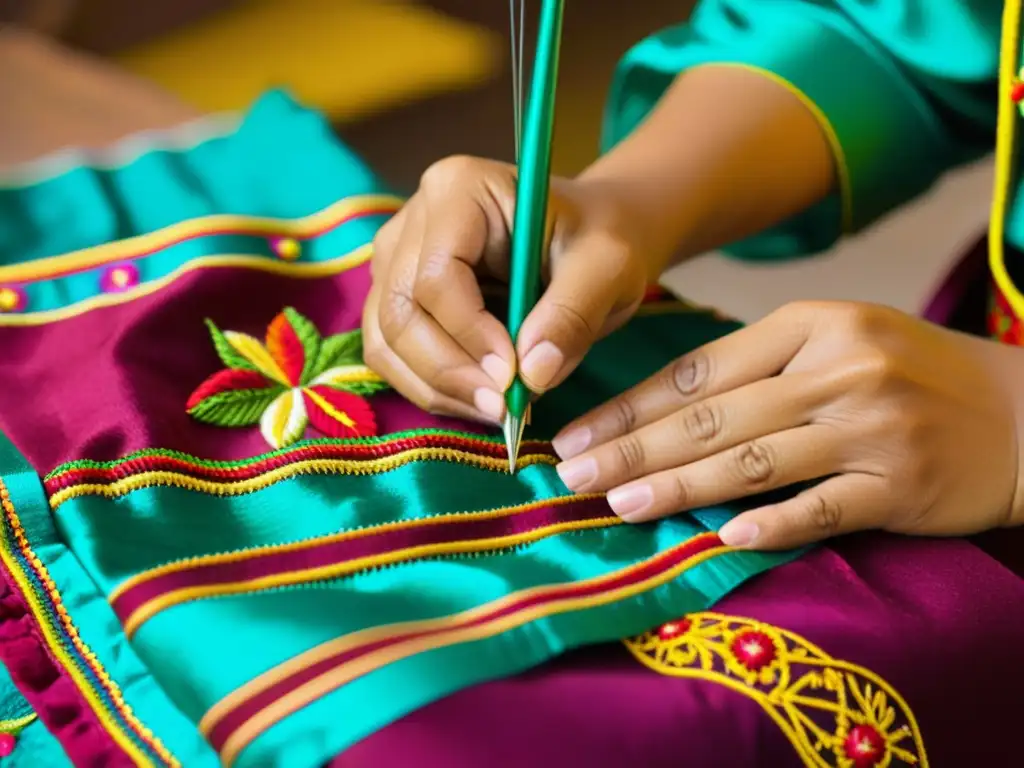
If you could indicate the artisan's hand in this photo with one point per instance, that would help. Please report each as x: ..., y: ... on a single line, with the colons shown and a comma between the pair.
x: 425, y: 326
x: 901, y: 425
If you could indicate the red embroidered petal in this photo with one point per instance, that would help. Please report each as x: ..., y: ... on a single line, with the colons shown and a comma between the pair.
x: 225, y: 381
x: 339, y: 414
x: 286, y: 348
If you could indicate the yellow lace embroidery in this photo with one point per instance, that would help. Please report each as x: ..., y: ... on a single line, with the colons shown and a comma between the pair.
x: 836, y: 714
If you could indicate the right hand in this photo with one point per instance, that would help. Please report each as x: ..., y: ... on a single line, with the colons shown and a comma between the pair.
x: 425, y: 327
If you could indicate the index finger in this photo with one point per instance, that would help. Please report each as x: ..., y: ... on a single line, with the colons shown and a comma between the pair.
x: 749, y: 354
x: 457, y: 237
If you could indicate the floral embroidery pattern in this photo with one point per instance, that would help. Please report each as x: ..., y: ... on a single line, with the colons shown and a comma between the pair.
x: 835, y: 714
x: 293, y: 381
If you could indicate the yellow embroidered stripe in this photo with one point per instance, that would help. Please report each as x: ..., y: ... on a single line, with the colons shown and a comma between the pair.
x: 385, y: 645
x: 88, y: 258
x: 257, y: 263
x: 797, y: 684
x: 138, y: 609
x: 1006, y: 129
x: 57, y: 644
x: 319, y: 466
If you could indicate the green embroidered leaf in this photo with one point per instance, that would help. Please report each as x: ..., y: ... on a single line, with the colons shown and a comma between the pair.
x: 228, y: 354
x: 235, y: 408
x: 364, y: 388
x: 340, y: 349
x: 309, y: 337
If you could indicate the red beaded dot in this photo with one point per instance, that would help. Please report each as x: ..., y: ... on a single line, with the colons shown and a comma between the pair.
x: 8, y: 741
x: 755, y: 650
x: 865, y: 746
x: 120, y: 278
x: 1017, y: 93
x: 674, y: 629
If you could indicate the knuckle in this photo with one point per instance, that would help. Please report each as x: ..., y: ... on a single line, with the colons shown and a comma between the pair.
x: 630, y: 453
x: 396, y: 310
x: 569, y: 323
x: 701, y: 422
x: 681, y: 493
x: 449, y: 170
x: 689, y: 375
x: 824, y: 514
x: 754, y: 463
x: 625, y: 413
x: 875, y: 369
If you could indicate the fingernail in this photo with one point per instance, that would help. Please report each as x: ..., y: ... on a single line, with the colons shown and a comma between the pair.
x: 578, y: 473
x: 738, y: 533
x: 542, y: 364
x: 489, y: 403
x: 499, y: 371
x: 630, y: 501
x: 572, y: 443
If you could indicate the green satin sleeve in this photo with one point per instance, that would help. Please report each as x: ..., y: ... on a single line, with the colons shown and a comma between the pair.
x: 904, y: 90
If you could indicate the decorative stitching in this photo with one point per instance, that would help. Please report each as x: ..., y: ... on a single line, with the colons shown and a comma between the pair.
x: 308, y: 271
x: 294, y: 381
x: 140, y: 246
x: 346, y: 554
x: 147, y: 469
x: 67, y: 647
x: 836, y: 714
x: 235, y: 721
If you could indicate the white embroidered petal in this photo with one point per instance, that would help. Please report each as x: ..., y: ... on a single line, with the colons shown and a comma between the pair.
x: 345, y: 374
x: 285, y: 419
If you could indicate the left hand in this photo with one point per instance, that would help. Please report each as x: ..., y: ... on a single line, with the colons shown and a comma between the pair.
x: 903, y: 425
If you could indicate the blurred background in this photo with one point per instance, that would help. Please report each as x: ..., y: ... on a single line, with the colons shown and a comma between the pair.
x: 407, y: 82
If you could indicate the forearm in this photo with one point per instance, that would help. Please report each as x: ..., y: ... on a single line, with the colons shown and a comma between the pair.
x: 727, y: 153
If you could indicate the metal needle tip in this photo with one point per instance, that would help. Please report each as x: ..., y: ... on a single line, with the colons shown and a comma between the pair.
x: 513, y: 429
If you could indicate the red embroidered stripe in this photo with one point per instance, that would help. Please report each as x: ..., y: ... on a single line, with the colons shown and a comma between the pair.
x: 78, y: 474
x: 279, y: 692
x: 143, y: 596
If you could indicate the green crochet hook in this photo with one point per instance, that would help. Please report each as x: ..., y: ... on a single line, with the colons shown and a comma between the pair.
x: 529, y: 224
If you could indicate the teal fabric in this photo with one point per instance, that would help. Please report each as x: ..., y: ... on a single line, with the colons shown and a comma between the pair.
x: 287, y: 164
x: 95, y: 623
x: 908, y: 86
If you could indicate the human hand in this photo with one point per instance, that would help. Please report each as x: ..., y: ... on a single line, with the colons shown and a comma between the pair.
x: 425, y: 327
x: 903, y: 426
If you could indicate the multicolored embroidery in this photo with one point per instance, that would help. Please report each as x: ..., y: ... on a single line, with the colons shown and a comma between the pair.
x: 1003, y: 324
x: 295, y: 381
x: 836, y: 714
x: 9, y: 731
x: 235, y: 721
x: 66, y: 646
x: 367, y: 456
x: 343, y: 554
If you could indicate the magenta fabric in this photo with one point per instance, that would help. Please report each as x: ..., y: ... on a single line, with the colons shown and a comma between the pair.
x: 939, y: 620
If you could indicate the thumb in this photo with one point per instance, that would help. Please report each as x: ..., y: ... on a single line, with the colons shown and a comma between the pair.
x: 591, y: 292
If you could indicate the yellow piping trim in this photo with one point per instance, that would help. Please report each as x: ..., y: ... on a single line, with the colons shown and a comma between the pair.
x: 314, y: 689
x: 56, y: 644
x: 399, y: 525
x: 257, y: 263
x: 88, y: 258
x: 1009, y: 53
x: 839, y: 154
x: 337, y: 570
x: 312, y: 466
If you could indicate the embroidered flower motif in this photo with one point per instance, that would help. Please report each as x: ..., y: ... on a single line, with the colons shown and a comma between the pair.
x: 836, y: 714
x: 294, y: 381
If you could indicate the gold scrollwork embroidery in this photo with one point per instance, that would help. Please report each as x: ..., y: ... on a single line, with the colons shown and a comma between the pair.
x: 836, y: 714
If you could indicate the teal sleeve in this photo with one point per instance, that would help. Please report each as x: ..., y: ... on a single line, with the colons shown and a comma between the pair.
x: 904, y: 90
